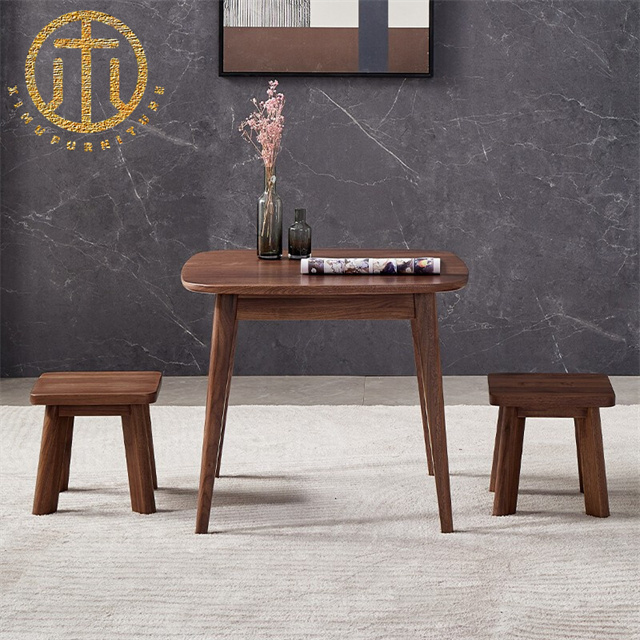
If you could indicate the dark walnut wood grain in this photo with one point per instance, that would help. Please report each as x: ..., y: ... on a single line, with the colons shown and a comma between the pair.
x: 430, y: 381
x: 252, y: 289
x: 553, y: 395
x: 106, y: 388
x: 417, y: 353
x: 240, y: 272
x: 357, y: 307
x: 220, y: 371
x: 126, y: 394
x: 551, y: 390
x: 50, y: 464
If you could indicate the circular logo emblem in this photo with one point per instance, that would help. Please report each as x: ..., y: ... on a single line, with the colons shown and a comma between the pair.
x: 86, y: 43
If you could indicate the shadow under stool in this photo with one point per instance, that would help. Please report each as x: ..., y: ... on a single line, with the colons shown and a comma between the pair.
x: 549, y: 395
x: 65, y: 395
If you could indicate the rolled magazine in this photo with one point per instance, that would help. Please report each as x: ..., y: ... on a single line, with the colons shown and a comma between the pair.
x: 370, y: 266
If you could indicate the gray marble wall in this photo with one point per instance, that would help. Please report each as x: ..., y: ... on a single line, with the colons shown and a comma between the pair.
x: 520, y: 155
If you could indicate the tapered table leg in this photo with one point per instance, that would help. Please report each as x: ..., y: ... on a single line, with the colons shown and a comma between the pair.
x: 426, y: 322
x: 423, y: 402
x: 50, y: 464
x: 226, y: 398
x: 225, y: 319
x: 66, y: 424
x: 496, y: 449
x: 508, y: 465
x: 594, y: 477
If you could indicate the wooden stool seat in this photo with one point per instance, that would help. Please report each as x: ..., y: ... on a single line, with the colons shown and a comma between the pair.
x: 549, y: 395
x: 96, y: 393
x: 90, y: 388
x: 550, y: 390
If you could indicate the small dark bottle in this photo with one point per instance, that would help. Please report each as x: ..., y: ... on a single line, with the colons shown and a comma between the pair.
x: 300, y: 236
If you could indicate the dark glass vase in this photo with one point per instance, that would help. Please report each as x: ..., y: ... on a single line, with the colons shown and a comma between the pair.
x: 269, y: 219
x: 300, y: 236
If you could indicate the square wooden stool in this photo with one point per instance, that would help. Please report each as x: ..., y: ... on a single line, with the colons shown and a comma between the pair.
x: 549, y: 395
x: 104, y: 393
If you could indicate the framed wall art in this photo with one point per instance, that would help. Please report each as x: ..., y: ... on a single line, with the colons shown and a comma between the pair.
x: 326, y: 37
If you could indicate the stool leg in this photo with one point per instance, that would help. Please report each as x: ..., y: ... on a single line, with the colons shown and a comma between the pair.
x: 66, y: 424
x: 509, y: 460
x: 50, y: 464
x: 594, y: 477
x: 136, y: 445
x: 152, y: 455
x: 496, y: 449
x: 578, y: 451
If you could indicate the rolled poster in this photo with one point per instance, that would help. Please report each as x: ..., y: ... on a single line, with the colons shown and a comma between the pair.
x: 370, y: 266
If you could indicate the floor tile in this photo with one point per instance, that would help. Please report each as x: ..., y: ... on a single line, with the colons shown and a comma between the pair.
x: 403, y: 390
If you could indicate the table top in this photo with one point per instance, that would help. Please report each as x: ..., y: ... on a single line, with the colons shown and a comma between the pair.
x: 240, y: 272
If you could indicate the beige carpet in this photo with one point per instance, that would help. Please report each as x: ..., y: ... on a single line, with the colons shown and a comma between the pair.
x: 325, y: 527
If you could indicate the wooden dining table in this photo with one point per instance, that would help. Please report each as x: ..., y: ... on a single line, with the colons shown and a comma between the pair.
x: 248, y: 288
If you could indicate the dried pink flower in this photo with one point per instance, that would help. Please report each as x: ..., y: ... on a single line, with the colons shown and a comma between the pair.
x: 266, y: 123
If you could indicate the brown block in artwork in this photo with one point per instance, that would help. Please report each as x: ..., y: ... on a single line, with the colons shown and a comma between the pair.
x: 290, y: 49
x: 409, y: 51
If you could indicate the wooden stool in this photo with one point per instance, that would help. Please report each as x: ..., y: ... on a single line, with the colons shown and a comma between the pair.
x: 105, y: 393
x: 549, y: 395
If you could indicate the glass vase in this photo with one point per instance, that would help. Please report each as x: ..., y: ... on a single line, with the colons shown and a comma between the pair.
x: 300, y: 236
x: 269, y: 219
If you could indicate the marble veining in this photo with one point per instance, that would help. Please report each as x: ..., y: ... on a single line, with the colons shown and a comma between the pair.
x: 520, y: 155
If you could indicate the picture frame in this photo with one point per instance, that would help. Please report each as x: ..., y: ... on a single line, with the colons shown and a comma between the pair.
x: 340, y: 38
